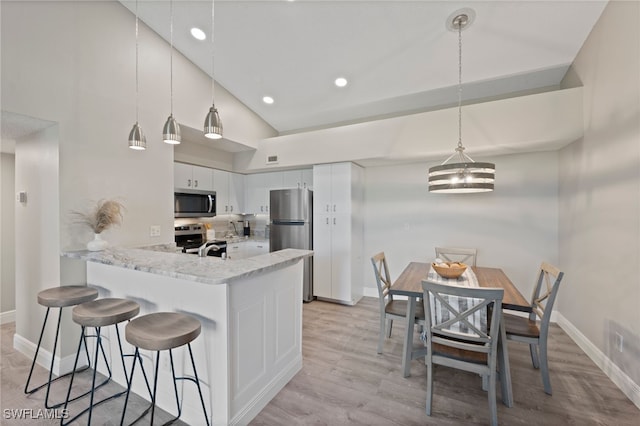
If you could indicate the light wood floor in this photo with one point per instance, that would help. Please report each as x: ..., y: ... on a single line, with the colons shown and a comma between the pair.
x: 345, y: 382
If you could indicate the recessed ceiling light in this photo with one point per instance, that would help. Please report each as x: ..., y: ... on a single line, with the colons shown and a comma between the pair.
x: 341, y: 81
x: 198, y: 34
x: 267, y: 100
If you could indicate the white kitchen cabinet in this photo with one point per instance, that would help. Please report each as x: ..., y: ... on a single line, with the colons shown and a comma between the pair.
x: 229, y: 189
x: 187, y: 176
x: 258, y: 186
x: 338, y: 232
x: 302, y: 178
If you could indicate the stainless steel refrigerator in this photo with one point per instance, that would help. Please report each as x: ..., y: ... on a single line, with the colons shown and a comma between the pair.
x: 291, y: 227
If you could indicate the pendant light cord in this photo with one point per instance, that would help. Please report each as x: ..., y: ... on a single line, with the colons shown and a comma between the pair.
x: 460, y: 85
x: 171, y: 54
x: 213, y: 83
x: 137, y: 61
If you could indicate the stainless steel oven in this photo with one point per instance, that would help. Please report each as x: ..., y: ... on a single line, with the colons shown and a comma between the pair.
x: 193, y: 236
x: 194, y: 203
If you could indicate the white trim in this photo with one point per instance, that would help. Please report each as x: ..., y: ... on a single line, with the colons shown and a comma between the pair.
x: 60, y: 365
x: 251, y: 410
x: 617, y: 376
x: 7, y: 317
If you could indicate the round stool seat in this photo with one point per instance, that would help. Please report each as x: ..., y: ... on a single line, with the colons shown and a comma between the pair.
x: 106, y: 311
x: 69, y: 295
x: 162, y: 330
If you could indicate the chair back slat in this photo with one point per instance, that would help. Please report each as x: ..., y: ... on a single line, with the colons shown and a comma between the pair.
x: 545, y: 292
x: 451, y: 315
x: 383, y: 277
x: 454, y: 254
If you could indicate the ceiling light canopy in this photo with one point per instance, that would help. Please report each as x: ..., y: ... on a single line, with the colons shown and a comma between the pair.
x: 465, y: 175
x: 212, y: 123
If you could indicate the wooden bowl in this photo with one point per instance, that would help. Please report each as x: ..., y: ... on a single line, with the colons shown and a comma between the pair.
x: 454, y: 270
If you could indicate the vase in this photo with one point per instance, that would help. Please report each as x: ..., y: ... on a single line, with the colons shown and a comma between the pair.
x: 97, y: 244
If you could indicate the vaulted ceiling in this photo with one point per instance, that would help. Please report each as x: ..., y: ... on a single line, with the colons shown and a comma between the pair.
x: 398, y: 56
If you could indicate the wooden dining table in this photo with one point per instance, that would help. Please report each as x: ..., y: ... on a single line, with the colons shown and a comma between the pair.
x: 409, y: 284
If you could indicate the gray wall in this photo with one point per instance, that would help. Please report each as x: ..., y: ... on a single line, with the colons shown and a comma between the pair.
x: 7, y: 203
x: 514, y: 227
x: 600, y: 195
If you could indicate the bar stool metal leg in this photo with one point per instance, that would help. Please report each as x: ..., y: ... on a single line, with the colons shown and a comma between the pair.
x: 163, y: 331
x: 59, y: 297
x: 96, y: 314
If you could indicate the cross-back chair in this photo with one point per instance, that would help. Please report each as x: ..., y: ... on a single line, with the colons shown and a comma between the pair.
x: 462, y: 330
x: 534, y: 330
x: 390, y: 309
x: 454, y: 254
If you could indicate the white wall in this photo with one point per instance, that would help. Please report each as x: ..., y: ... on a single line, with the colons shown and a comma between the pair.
x: 38, y: 246
x: 515, y: 227
x: 600, y: 197
x: 72, y: 63
x: 7, y: 252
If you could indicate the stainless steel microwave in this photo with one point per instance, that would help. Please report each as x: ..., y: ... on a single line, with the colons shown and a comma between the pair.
x: 194, y: 203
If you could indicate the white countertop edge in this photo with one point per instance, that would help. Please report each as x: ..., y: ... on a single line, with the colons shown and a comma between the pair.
x: 206, y: 270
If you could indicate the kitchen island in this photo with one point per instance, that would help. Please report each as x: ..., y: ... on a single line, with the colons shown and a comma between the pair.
x: 250, y: 311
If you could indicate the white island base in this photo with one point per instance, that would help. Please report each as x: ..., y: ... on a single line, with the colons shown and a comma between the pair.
x: 249, y: 349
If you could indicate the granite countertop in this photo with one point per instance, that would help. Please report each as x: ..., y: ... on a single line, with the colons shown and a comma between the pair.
x: 163, y: 260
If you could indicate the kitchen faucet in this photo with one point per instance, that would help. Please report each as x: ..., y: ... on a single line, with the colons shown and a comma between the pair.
x: 204, y: 249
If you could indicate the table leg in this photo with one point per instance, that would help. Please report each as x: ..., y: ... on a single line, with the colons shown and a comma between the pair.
x: 408, y: 338
x: 505, y: 371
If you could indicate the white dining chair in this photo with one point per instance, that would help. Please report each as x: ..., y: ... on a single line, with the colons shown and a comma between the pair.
x: 454, y: 254
x: 390, y: 309
x: 535, y: 329
x: 456, y: 338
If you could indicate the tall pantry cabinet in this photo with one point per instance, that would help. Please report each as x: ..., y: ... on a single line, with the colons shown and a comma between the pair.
x: 338, y: 232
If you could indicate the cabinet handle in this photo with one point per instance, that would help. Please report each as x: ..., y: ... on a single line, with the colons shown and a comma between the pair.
x: 231, y: 207
x: 226, y: 209
x: 334, y: 220
x: 304, y: 185
x: 196, y: 183
x: 327, y: 208
x: 334, y: 208
x: 327, y: 221
x: 262, y: 208
x: 188, y: 182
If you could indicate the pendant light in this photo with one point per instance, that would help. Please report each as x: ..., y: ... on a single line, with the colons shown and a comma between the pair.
x: 465, y: 175
x: 212, y: 123
x: 171, y: 129
x: 137, y: 140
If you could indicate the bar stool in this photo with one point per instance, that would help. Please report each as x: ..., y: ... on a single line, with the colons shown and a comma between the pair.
x: 57, y: 297
x: 157, y: 332
x: 97, y: 314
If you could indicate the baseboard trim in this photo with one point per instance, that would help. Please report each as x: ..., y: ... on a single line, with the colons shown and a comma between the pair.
x: 617, y: 376
x: 60, y: 365
x: 7, y: 317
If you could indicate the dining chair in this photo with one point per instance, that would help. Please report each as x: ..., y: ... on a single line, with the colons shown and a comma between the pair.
x: 462, y: 329
x: 390, y: 309
x: 534, y: 330
x: 453, y: 254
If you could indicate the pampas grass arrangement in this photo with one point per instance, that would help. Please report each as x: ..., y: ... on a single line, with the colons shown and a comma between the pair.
x: 104, y: 215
